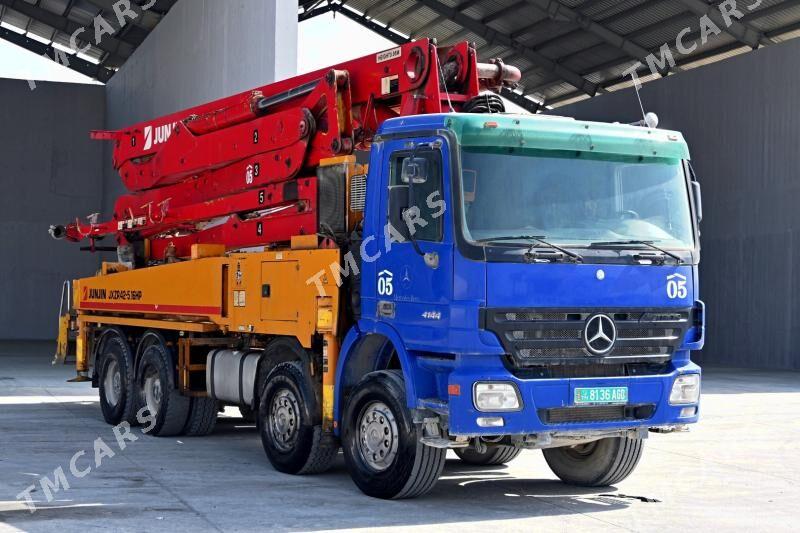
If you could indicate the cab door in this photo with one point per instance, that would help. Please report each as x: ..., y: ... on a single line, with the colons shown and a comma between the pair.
x: 414, y: 277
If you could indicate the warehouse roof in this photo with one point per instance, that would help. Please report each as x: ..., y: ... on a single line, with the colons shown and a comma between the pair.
x: 567, y: 49
x: 573, y: 49
x: 106, y: 37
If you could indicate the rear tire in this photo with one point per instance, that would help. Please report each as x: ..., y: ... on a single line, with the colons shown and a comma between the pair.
x: 493, y: 456
x: 116, y: 381
x: 382, y: 446
x: 159, y: 394
x: 595, y: 464
x: 293, y: 441
x: 202, y: 417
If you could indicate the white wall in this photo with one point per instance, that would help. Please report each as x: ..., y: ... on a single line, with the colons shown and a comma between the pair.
x: 202, y: 50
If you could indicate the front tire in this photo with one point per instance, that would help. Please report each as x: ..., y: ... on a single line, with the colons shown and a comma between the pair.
x: 293, y: 441
x: 493, y: 456
x: 116, y: 381
x: 598, y: 463
x: 159, y: 394
x: 382, y: 446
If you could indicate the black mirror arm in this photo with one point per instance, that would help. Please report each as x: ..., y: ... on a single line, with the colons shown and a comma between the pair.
x: 411, y: 203
x: 412, y: 238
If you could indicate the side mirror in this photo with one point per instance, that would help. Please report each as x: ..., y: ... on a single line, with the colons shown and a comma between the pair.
x: 415, y: 170
x: 698, y: 200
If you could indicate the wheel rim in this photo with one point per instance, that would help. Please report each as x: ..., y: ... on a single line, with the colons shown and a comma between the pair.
x: 112, y: 383
x: 284, y: 420
x: 378, y: 436
x: 153, y: 391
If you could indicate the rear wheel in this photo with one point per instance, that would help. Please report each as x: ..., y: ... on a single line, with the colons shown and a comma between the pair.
x: 159, y: 394
x: 202, y: 417
x: 595, y: 464
x: 116, y: 379
x: 493, y: 456
x: 382, y: 446
x: 292, y: 438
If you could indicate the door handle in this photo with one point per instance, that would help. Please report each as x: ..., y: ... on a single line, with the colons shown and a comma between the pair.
x: 432, y: 260
x: 386, y: 309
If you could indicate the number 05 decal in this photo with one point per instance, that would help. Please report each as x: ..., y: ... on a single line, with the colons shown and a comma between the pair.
x: 385, y: 286
x: 676, y: 287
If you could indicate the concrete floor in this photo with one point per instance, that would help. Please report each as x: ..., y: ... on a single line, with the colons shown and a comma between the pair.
x: 737, y: 470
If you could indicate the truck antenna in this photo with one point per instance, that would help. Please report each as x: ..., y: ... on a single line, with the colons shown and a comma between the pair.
x: 641, y: 106
x: 649, y: 120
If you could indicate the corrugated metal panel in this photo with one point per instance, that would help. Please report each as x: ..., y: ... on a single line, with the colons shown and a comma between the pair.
x: 586, y: 61
x: 648, y: 23
x: 561, y: 48
x: 784, y: 18
x: 739, y: 116
x: 58, y: 7
x: 631, y: 21
x: 83, y: 12
x: 14, y: 18
x: 609, y: 8
x: 41, y: 30
x: 787, y: 36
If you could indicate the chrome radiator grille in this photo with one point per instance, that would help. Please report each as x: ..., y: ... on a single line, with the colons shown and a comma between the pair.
x: 537, y: 337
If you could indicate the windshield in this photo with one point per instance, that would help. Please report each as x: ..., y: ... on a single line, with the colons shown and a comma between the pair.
x: 574, y: 198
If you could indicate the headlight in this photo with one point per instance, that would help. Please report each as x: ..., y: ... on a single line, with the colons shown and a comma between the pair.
x: 496, y: 397
x: 685, y: 389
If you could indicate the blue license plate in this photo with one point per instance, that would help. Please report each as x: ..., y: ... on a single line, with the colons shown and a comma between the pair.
x: 601, y: 395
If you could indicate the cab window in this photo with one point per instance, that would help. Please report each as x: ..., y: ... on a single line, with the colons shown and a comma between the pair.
x: 425, y: 168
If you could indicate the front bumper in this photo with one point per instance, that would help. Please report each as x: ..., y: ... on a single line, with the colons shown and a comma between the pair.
x: 548, y: 404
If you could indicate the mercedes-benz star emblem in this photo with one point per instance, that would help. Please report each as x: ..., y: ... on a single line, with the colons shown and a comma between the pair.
x: 599, y: 334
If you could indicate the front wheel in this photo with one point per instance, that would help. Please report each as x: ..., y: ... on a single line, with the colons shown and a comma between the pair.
x: 381, y: 443
x: 595, y: 464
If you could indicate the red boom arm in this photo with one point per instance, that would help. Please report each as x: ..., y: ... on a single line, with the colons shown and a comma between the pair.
x: 240, y: 171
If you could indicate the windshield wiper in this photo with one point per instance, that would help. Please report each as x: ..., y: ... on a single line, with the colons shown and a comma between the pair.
x: 538, y: 239
x: 606, y: 244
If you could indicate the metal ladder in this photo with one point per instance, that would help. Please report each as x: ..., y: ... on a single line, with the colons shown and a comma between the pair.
x: 65, y: 316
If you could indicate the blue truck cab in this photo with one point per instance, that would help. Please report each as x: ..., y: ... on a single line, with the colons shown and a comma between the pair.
x: 525, y: 282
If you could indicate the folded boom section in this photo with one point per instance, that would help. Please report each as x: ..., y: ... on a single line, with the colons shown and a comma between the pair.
x: 243, y: 171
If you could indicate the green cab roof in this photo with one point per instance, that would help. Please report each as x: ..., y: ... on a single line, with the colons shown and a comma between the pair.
x: 544, y: 132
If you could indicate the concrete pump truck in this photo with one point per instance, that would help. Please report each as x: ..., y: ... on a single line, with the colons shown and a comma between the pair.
x: 376, y: 257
